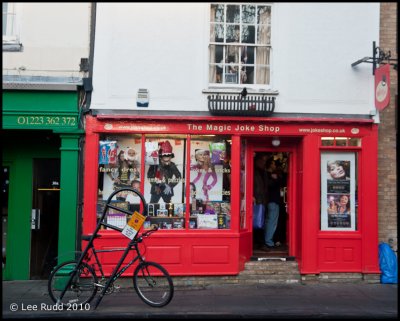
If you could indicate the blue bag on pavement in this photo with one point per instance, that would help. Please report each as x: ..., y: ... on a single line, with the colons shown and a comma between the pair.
x: 387, y: 264
x: 258, y: 216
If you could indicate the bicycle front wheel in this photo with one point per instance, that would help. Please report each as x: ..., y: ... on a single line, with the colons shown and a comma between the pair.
x: 82, y: 287
x: 153, y: 284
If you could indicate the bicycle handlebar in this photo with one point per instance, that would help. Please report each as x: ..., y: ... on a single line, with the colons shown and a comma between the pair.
x: 147, y: 233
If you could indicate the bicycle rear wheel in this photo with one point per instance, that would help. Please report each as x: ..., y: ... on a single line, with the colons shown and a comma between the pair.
x: 81, y: 289
x: 153, y: 284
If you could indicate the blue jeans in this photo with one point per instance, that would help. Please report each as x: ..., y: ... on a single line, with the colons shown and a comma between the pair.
x: 271, y: 223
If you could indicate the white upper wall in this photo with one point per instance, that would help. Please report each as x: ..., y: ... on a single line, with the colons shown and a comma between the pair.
x: 55, y: 36
x: 163, y: 47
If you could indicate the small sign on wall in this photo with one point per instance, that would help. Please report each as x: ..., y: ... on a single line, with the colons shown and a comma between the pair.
x: 382, y: 87
x: 142, y: 98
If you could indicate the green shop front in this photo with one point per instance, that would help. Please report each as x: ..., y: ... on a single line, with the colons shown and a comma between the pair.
x: 40, y: 166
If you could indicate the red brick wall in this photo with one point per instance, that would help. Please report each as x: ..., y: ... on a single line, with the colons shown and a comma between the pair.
x: 387, y: 176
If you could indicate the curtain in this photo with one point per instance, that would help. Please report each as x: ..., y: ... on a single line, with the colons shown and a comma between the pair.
x: 262, y: 54
x: 212, y: 71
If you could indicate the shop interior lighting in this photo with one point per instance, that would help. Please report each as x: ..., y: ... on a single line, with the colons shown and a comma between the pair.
x: 276, y: 142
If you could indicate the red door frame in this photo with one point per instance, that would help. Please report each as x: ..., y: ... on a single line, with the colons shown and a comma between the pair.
x: 287, y: 146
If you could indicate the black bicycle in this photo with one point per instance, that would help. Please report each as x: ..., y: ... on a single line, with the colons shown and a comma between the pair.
x: 75, y: 283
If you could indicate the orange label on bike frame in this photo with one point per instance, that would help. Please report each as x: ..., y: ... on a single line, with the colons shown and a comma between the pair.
x: 136, y: 221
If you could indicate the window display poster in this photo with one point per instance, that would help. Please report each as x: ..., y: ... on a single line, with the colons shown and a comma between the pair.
x: 124, y: 170
x: 338, y: 191
x: 206, y: 170
x: 164, y: 159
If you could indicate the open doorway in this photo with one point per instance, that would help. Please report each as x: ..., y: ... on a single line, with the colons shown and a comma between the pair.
x: 273, y: 167
x: 45, y: 217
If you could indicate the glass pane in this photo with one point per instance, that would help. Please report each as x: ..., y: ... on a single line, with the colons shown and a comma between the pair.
x: 263, y: 76
x: 248, y: 14
x: 232, y: 54
x: 247, y: 74
x: 217, y: 13
x: 262, y: 56
x: 164, y: 183
x: 248, y: 54
x: 232, y: 14
x: 216, y: 63
x: 264, y: 35
x: 327, y: 141
x: 232, y: 33
x: 217, y: 33
x: 119, y: 163
x: 232, y: 68
x: 264, y: 26
x: 231, y: 74
x: 248, y: 34
x: 5, y: 5
x: 119, y: 167
x: 210, y: 183
x: 341, y: 141
x: 354, y: 141
x: 264, y: 15
x: 247, y: 69
x: 339, y: 191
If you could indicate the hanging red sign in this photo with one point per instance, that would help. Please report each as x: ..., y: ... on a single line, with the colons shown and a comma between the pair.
x: 382, y: 85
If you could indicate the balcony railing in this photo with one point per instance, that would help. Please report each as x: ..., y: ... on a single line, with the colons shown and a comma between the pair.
x: 237, y: 105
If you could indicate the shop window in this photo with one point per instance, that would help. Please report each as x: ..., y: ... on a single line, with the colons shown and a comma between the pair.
x: 164, y: 188
x: 210, y: 174
x: 210, y: 171
x: 339, y: 208
x: 240, y: 44
x: 119, y: 167
x: 341, y: 141
x: 163, y: 182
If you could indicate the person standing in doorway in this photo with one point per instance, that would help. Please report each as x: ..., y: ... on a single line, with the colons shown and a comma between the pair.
x: 280, y: 233
x: 274, y: 188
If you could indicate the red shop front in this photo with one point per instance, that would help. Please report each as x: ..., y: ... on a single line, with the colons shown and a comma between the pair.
x: 203, y: 203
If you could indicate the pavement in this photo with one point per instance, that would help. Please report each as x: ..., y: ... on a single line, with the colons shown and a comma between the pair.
x: 29, y: 299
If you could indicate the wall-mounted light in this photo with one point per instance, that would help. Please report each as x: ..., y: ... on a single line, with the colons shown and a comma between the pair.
x: 276, y: 142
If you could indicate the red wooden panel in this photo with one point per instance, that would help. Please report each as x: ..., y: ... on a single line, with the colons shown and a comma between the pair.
x: 330, y: 254
x: 210, y: 254
x: 348, y: 254
x: 165, y: 254
x: 340, y: 255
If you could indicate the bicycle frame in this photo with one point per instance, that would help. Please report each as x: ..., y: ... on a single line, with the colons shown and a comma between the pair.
x: 120, y: 272
x: 133, y: 243
x: 124, y: 268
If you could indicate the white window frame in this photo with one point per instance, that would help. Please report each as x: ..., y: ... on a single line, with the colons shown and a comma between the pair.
x: 10, y: 22
x: 268, y: 64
